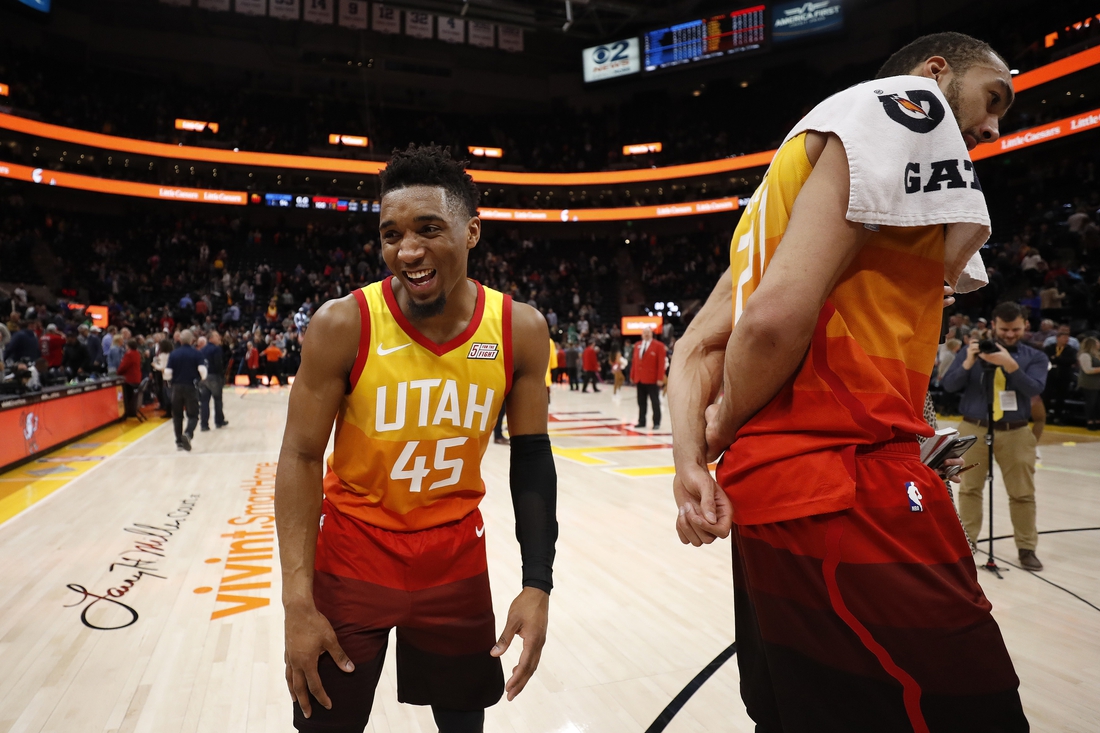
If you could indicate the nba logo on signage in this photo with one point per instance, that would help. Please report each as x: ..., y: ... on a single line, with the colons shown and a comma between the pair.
x: 483, y: 351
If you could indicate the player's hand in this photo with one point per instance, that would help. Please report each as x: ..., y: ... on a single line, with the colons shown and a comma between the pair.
x: 704, y: 511
x: 947, y: 464
x: 527, y: 616
x: 948, y: 295
x: 720, y: 436
x: 309, y: 635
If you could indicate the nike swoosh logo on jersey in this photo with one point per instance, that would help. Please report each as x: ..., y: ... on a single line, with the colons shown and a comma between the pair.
x: 480, y: 530
x: 383, y: 352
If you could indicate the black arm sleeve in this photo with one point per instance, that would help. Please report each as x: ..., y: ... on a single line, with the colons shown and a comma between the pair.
x: 534, y: 483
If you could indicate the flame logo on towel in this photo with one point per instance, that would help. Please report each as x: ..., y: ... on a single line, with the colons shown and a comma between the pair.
x: 910, y: 109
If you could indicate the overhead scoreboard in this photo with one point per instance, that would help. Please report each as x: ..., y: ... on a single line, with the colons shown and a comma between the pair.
x: 707, y: 38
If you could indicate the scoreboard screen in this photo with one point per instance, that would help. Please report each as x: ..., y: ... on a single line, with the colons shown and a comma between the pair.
x: 707, y: 38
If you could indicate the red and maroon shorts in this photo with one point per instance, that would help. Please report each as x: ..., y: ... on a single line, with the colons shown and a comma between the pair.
x: 433, y: 586
x: 871, y: 619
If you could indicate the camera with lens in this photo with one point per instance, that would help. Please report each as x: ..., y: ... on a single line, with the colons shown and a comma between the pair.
x: 987, y: 346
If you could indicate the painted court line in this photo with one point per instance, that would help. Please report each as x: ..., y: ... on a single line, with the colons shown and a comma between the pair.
x: 37, y: 492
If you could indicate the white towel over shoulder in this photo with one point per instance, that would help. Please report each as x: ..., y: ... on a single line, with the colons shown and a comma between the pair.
x: 909, y: 166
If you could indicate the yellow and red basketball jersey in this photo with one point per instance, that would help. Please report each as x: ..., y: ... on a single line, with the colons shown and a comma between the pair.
x: 864, y: 378
x: 418, y: 415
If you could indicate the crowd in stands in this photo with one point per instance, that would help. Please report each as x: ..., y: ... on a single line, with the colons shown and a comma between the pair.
x: 256, y: 286
x: 555, y: 139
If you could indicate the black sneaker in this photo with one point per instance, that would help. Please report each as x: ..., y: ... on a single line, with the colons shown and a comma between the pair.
x: 639, y: 426
x: 1028, y: 560
x: 184, y: 444
x: 204, y: 429
x: 219, y: 427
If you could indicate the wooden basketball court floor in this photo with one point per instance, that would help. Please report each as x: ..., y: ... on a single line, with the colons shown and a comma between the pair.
x: 176, y: 549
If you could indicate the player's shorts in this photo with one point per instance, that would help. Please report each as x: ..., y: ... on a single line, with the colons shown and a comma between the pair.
x: 433, y: 586
x: 871, y: 619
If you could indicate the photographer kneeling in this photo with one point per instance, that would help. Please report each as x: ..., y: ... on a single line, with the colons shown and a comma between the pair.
x: 1019, y: 372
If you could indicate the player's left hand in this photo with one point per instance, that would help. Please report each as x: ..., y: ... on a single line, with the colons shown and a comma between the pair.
x: 948, y: 296
x: 947, y: 464
x: 719, y: 435
x: 528, y: 617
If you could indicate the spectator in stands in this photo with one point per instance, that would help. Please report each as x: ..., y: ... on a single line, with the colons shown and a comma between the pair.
x: 185, y: 370
x: 129, y: 368
x: 1063, y: 330
x: 292, y: 350
x: 160, y: 381
x: 23, y: 345
x: 1088, y: 381
x: 94, y: 345
x: 947, y: 355
x: 647, y: 371
x: 251, y: 363
x: 74, y: 359
x: 52, y: 346
x: 1063, y: 362
x: 572, y: 365
x: 1046, y: 330
x: 114, y: 354
x: 272, y: 360
x: 590, y: 360
x: 211, y: 387
x: 618, y: 364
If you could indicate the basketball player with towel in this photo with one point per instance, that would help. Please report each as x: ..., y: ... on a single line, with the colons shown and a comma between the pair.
x: 856, y: 597
x: 414, y: 371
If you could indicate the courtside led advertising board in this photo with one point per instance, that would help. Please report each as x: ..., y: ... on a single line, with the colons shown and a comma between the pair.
x: 43, y: 5
x: 611, y: 60
x: 792, y: 21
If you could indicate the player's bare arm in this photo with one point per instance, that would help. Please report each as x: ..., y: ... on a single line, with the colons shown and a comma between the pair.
x: 695, y: 380
x: 328, y: 355
x: 527, y: 416
x: 771, y: 338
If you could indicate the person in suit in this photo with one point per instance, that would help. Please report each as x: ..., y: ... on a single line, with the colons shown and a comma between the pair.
x: 647, y: 370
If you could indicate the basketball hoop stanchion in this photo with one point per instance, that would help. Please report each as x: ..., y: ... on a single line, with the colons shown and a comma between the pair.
x: 988, y: 370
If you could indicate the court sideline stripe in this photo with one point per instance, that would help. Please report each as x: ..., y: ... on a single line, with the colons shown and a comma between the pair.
x: 60, y: 489
x: 678, y: 702
x: 1051, y: 582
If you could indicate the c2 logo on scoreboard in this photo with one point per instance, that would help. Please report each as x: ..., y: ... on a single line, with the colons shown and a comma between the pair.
x: 610, y: 60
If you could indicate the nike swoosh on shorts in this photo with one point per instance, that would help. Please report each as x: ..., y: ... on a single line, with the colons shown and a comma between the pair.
x: 383, y: 352
x: 480, y: 530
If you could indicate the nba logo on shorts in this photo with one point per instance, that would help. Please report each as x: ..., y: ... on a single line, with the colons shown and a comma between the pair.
x: 915, y: 498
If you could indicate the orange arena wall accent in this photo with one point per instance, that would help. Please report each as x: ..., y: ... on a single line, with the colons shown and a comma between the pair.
x: 1040, y: 134
x: 125, y: 188
x: 32, y: 428
x: 625, y: 213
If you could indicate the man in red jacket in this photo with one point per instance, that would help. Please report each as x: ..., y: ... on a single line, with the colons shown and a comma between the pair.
x: 52, y: 346
x: 647, y: 370
x: 130, y: 370
x: 590, y: 361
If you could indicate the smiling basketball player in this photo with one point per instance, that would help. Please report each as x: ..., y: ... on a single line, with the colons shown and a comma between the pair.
x: 414, y: 371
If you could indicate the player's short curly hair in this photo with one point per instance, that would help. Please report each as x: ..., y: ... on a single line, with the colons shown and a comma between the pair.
x: 431, y: 165
x: 958, y: 49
